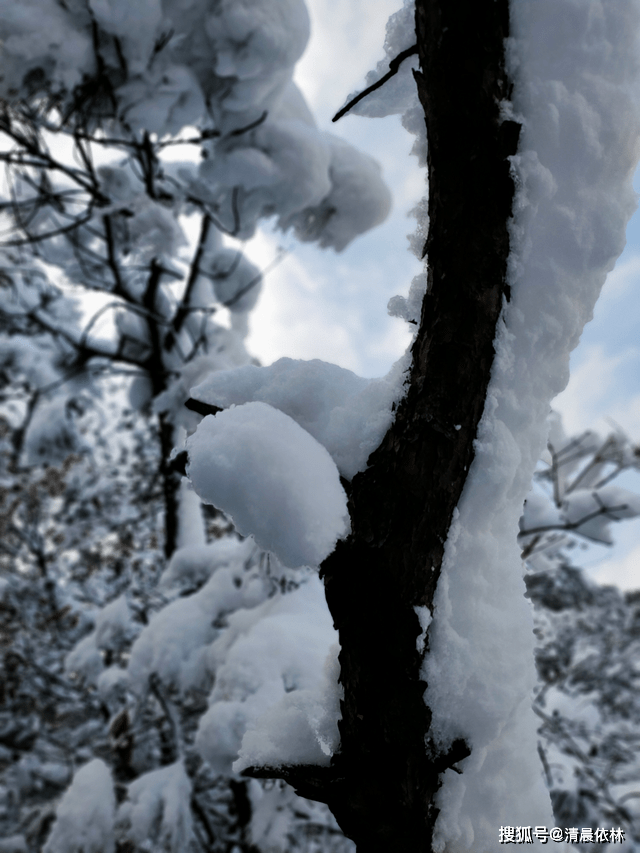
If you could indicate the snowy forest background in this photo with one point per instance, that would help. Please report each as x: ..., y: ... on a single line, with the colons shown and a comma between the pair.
x: 143, y: 671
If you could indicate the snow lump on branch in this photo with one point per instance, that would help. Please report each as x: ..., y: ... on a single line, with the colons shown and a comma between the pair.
x: 346, y: 413
x: 273, y: 479
x: 85, y: 816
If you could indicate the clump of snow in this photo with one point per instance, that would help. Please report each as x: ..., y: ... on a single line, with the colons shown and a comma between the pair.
x: 157, y: 810
x: 254, y: 42
x: 191, y: 530
x: 85, y: 660
x: 36, y: 37
x: 135, y: 24
x: 283, y: 166
x: 299, y: 729
x: 409, y: 307
x: 274, y: 663
x: 192, y: 565
x: 399, y: 96
x: 114, y: 629
x: 424, y: 617
x: 51, y: 434
x: 225, y: 352
x: 574, y: 67
x: 592, y: 511
x: 112, y: 684
x: 172, y: 646
x: 539, y: 511
x: 357, y: 201
x: 14, y: 844
x: 86, y: 813
x: 31, y: 357
x: 347, y: 414
x: 236, y: 281
x: 273, y: 479
x: 271, y: 816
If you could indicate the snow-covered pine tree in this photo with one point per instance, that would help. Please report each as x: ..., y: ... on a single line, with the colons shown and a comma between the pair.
x: 532, y: 134
x: 136, y: 138
x: 447, y: 612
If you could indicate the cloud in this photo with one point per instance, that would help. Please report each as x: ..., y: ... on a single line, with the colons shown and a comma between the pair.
x: 622, y: 278
x: 598, y: 392
x: 314, y: 305
x: 622, y: 568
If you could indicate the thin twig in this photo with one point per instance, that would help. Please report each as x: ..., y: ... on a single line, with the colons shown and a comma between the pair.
x: 394, y: 67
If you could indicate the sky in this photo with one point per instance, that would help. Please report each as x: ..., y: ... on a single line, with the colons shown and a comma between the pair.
x: 604, y: 393
x: 316, y: 304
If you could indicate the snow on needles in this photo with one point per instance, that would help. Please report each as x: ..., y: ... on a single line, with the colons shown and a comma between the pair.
x: 273, y: 479
x: 223, y: 64
x: 574, y: 66
x: 85, y: 815
x: 157, y: 812
x: 276, y: 698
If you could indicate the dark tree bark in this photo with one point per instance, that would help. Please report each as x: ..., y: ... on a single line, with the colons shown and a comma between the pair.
x: 382, y: 782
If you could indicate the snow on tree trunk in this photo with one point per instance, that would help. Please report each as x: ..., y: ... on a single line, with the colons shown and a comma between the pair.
x: 573, y: 67
x: 401, y: 507
x: 432, y: 567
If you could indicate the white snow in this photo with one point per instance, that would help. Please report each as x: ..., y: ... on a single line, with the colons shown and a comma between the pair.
x: 612, y: 501
x: 192, y: 565
x: 347, y: 414
x: 424, y: 617
x: 191, y: 532
x: 540, y: 511
x: 114, y: 628
x: 276, y: 699
x: 112, y: 684
x: 86, y: 813
x: 226, y: 352
x: 85, y: 660
x: 357, y: 201
x: 157, y: 810
x: 51, y: 434
x: 173, y: 644
x: 273, y: 479
x: 574, y: 66
x: 236, y: 281
x: 14, y: 844
x: 36, y: 34
x: 221, y: 65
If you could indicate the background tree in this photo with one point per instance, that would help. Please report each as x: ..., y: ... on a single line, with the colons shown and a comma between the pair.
x: 587, y: 634
x: 113, y: 269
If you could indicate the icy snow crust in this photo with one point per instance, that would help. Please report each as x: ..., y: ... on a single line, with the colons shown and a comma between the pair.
x: 574, y: 64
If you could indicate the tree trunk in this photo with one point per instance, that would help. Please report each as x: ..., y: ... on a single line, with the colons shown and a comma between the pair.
x: 381, y: 784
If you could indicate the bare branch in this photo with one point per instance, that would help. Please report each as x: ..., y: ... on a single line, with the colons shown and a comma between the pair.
x: 394, y: 67
x: 574, y: 525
